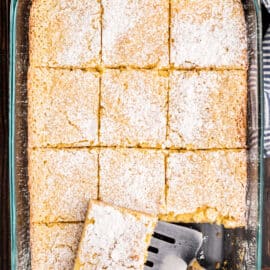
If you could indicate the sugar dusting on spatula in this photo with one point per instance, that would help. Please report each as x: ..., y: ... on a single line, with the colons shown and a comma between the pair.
x: 172, y: 262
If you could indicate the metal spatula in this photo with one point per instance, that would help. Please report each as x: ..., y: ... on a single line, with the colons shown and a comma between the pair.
x: 172, y: 244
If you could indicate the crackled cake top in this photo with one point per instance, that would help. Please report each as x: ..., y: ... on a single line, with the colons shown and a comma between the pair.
x: 135, y: 33
x: 208, y: 179
x: 207, y: 109
x: 63, y: 107
x: 54, y: 246
x: 65, y: 33
x: 134, y: 108
x: 133, y: 178
x: 207, y: 33
x: 61, y: 182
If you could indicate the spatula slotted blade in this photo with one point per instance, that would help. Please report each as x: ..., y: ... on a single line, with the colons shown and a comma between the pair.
x: 170, y: 240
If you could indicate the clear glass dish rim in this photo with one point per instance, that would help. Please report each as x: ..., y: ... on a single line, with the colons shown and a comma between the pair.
x: 12, y: 155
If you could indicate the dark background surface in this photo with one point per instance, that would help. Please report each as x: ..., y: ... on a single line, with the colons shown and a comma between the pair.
x: 4, y: 189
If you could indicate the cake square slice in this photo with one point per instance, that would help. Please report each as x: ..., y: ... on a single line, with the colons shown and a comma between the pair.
x: 133, y: 178
x: 62, y: 107
x: 65, y: 33
x: 61, y: 182
x: 207, y: 186
x: 114, y: 238
x: 207, y: 33
x: 207, y: 109
x: 135, y: 33
x: 133, y: 108
x: 54, y: 246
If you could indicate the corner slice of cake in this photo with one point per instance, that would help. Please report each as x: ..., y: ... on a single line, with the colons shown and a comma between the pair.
x: 207, y: 186
x: 135, y: 33
x: 62, y: 107
x: 61, y: 182
x: 65, y: 33
x: 207, y: 33
x: 54, y: 246
x: 133, y: 178
x: 133, y: 108
x: 207, y: 109
x: 114, y: 238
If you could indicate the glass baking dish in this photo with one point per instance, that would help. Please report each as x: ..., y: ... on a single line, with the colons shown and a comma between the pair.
x: 223, y: 248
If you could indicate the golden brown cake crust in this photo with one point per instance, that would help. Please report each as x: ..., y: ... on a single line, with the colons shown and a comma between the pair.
x: 124, y: 246
x: 61, y: 182
x: 65, y: 33
x: 54, y: 246
x: 211, y: 183
x: 62, y: 107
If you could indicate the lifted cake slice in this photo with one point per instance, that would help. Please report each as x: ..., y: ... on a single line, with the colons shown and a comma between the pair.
x: 114, y: 238
x: 207, y: 186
